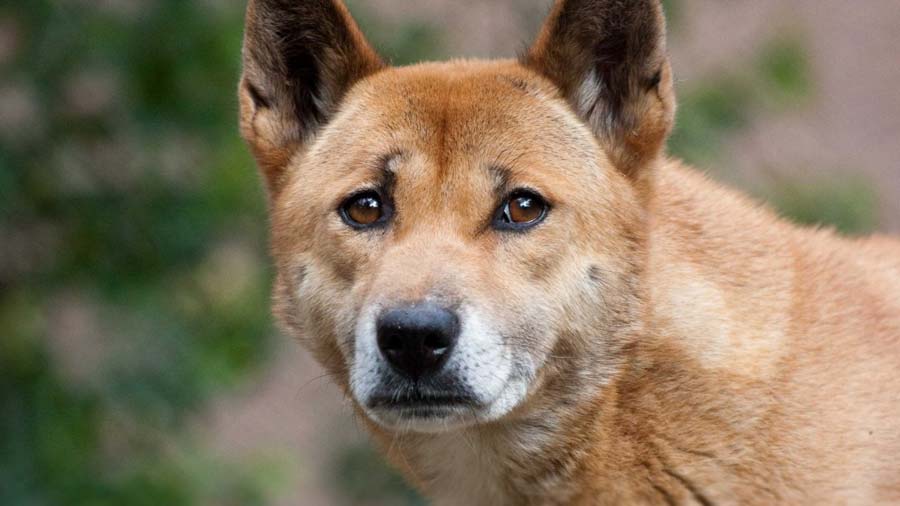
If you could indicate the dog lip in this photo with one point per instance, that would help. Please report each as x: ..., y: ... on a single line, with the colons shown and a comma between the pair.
x: 421, y: 401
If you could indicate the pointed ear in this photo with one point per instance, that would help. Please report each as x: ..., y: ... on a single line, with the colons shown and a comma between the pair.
x: 608, y: 57
x: 300, y: 57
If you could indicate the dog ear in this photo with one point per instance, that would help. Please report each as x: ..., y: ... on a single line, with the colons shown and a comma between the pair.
x: 299, y: 59
x: 608, y: 57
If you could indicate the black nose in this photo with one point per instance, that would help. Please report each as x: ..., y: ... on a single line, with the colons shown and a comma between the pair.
x: 417, y: 340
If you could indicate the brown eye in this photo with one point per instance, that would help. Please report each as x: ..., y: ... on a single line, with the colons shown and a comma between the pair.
x: 523, y: 210
x: 364, y: 210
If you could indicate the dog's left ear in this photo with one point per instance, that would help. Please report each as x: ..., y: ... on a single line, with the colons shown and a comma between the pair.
x: 300, y: 58
x: 608, y: 57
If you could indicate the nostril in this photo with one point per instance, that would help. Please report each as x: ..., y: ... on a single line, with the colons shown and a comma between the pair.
x: 436, y: 343
x: 391, y: 342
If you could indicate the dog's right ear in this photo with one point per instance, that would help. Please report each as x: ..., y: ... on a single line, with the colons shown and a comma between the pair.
x: 608, y: 58
x: 300, y: 57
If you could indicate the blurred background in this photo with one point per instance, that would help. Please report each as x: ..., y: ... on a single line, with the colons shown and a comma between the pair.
x: 138, y: 361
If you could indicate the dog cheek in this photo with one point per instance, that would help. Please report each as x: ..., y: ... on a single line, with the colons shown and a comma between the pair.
x: 286, y: 301
x: 527, y: 330
x: 311, y: 308
x: 543, y: 265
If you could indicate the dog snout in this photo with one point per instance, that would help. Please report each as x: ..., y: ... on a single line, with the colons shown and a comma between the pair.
x: 417, y: 340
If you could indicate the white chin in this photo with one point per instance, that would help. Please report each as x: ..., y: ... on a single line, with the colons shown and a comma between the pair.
x: 431, y: 421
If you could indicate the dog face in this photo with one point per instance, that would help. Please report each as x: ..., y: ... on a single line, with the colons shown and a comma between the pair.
x: 454, y: 240
x: 439, y: 223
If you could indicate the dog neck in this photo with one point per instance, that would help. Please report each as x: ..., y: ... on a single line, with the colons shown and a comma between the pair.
x: 619, y: 442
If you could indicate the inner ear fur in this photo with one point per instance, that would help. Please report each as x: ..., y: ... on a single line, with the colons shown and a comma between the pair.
x: 300, y: 57
x: 609, y: 60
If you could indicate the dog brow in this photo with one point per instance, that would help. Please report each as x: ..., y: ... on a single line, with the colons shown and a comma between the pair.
x: 386, y: 167
x: 500, y: 176
x: 386, y: 162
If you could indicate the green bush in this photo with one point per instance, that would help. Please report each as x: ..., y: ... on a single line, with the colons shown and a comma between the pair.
x: 848, y: 205
x: 125, y: 184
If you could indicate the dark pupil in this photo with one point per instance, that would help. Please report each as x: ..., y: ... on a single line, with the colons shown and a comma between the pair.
x: 365, y: 210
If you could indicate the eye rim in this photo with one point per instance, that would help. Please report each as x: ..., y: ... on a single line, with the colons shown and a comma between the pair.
x: 503, y: 221
x: 387, y: 210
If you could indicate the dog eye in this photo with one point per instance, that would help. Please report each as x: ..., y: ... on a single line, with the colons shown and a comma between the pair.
x: 364, y: 210
x: 523, y: 209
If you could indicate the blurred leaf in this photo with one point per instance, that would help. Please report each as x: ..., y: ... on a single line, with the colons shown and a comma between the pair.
x: 672, y: 9
x: 411, y: 43
x: 850, y: 206
x: 784, y: 66
x: 707, y: 115
x: 364, y: 479
x: 719, y: 106
x: 403, y: 44
x: 141, y: 190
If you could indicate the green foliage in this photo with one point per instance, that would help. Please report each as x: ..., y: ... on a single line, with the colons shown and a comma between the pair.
x: 783, y: 65
x: 779, y: 79
x: 403, y: 44
x: 707, y: 115
x: 721, y: 105
x: 363, y: 478
x: 124, y: 182
x: 672, y: 9
x: 850, y: 206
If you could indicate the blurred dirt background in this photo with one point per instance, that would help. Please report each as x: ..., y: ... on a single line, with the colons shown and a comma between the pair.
x: 138, y: 364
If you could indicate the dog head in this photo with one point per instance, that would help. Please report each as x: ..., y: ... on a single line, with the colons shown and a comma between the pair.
x: 454, y: 240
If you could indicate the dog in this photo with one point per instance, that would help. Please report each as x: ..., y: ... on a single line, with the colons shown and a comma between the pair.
x: 528, y: 302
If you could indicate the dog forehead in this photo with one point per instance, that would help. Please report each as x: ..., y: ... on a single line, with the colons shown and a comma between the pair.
x: 472, y: 103
x: 460, y: 83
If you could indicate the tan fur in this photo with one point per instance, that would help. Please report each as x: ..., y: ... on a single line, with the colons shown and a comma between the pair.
x: 700, y: 350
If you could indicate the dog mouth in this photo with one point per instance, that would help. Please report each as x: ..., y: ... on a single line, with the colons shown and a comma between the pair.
x: 416, y: 401
x: 435, y: 407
